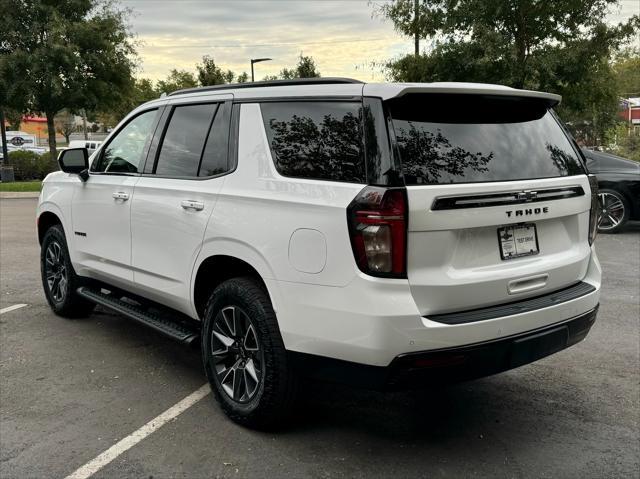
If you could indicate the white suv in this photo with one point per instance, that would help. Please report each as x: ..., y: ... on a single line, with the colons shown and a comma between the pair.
x: 387, y: 235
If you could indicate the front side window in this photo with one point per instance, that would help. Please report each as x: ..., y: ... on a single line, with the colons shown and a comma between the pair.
x: 316, y: 139
x: 124, y: 153
x: 466, y: 138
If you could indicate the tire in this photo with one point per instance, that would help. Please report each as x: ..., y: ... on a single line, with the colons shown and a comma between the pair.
x: 244, y: 355
x: 615, y: 211
x: 59, y: 280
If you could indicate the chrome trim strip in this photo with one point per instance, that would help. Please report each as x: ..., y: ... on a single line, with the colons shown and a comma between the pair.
x: 505, y: 198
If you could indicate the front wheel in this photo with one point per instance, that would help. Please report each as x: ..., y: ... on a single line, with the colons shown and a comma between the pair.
x: 615, y: 211
x: 59, y: 280
x: 244, y: 355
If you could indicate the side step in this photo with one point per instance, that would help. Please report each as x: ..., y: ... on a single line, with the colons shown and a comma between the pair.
x: 170, y: 323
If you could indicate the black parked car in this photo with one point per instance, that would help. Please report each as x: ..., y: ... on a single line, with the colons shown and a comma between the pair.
x: 619, y: 183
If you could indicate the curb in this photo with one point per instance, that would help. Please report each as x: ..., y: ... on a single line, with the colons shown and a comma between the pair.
x: 5, y: 195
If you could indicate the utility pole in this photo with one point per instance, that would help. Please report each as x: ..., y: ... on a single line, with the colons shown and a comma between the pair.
x: 416, y: 26
x: 84, y: 123
x: 3, y: 133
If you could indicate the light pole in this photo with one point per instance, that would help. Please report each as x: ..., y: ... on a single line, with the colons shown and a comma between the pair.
x: 257, y: 60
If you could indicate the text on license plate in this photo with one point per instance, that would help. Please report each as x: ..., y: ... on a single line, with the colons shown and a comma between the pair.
x: 518, y: 240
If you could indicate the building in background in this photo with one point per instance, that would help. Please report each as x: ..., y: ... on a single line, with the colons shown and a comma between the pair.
x: 630, y: 112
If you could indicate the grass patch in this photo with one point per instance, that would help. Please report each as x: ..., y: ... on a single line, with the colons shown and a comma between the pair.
x: 21, y: 186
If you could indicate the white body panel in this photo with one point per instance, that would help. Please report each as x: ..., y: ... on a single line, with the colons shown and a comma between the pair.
x: 373, y: 320
x: 453, y: 260
x: 167, y: 236
x: 102, y: 227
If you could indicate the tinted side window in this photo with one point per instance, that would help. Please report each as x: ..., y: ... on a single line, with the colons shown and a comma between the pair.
x: 184, y: 140
x: 215, y: 155
x: 318, y: 140
x: 124, y: 152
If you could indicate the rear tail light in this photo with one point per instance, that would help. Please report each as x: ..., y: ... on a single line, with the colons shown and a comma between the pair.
x: 594, y: 214
x: 378, y: 228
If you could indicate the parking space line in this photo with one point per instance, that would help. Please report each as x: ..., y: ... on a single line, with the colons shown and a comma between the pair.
x: 135, y: 437
x: 11, y: 308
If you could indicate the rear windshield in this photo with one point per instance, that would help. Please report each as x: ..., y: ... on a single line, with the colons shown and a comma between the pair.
x: 470, y: 139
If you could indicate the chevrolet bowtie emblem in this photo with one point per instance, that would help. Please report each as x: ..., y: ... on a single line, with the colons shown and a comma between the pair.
x: 526, y: 195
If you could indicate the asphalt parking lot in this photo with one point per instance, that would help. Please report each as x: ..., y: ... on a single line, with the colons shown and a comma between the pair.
x: 69, y: 390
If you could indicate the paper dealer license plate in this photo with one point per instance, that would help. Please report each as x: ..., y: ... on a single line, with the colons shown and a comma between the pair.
x: 518, y: 240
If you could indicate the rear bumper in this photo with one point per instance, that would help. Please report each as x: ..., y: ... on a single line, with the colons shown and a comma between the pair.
x: 455, y: 364
x: 372, y: 321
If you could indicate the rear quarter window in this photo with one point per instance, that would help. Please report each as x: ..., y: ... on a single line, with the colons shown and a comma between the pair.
x: 316, y: 139
x: 467, y: 139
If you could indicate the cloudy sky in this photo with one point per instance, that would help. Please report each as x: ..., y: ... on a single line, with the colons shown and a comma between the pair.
x: 343, y: 36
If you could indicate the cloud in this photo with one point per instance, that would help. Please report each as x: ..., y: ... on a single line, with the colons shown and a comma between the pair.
x: 343, y: 36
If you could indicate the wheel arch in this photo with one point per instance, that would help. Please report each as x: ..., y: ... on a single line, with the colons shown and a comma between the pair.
x: 214, y: 269
x: 46, y: 220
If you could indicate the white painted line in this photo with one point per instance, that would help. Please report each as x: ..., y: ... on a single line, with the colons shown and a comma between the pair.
x: 135, y: 437
x: 11, y: 308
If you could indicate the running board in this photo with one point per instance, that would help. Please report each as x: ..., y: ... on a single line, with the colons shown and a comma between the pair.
x: 163, y: 320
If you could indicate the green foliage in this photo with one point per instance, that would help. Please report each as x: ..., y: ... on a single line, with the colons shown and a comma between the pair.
x: 177, y: 80
x: 28, y: 165
x: 65, y: 54
x: 629, y: 147
x: 430, y: 20
x: 211, y: 74
x: 21, y: 186
x: 561, y: 47
x: 306, y: 68
x: 14, y: 118
x: 141, y: 92
x: 626, y: 69
x: 623, y: 141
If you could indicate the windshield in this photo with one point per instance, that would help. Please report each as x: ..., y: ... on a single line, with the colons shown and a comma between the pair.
x: 468, y: 139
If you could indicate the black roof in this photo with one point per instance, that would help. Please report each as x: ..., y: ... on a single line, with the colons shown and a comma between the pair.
x: 258, y: 84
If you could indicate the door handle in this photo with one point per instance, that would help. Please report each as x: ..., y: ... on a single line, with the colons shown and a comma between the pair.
x: 120, y: 195
x: 192, y: 205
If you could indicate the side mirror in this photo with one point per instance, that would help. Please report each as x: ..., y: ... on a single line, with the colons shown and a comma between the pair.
x: 76, y: 161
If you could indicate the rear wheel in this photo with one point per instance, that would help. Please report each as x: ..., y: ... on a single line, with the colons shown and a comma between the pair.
x: 615, y: 211
x: 59, y: 280
x: 244, y: 355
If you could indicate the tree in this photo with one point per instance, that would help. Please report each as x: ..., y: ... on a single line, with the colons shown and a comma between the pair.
x: 176, y: 80
x: 626, y: 68
x: 14, y: 118
x: 211, y: 74
x: 77, y: 54
x: 141, y: 92
x: 65, y: 123
x: 306, y: 68
x: 562, y: 47
x: 412, y: 18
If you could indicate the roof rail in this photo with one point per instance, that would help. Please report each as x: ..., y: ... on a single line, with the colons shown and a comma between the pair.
x: 258, y: 84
